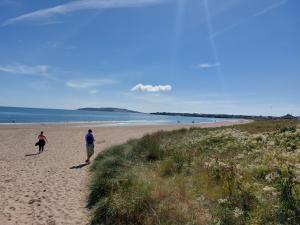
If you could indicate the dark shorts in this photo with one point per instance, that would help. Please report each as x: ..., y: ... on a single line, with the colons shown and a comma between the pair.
x: 41, y: 143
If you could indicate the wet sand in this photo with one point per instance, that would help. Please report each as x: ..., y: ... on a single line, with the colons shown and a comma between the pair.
x: 51, y: 188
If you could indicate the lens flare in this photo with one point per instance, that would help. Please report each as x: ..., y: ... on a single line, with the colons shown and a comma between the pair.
x: 213, y: 45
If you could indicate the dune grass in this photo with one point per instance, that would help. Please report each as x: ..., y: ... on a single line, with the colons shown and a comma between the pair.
x: 245, y: 174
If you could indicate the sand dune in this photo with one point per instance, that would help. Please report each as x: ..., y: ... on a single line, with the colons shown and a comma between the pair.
x: 51, y: 188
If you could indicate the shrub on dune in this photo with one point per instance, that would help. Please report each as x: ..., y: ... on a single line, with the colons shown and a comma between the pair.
x: 246, y: 174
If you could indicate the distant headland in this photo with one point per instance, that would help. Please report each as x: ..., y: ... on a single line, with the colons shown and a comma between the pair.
x: 227, y: 116
x: 109, y: 109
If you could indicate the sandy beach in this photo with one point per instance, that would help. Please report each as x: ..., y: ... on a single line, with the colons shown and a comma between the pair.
x: 51, y: 188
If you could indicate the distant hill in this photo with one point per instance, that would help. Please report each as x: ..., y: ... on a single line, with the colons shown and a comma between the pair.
x: 108, y: 109
x: 289, y: 117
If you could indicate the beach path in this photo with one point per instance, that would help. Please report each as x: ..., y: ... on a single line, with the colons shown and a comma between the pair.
x: 51, y: 188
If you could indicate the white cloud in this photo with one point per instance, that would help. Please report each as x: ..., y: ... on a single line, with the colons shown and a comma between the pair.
x: 208, y: 65
x: 89, y: 83
x: 152, y: 88
x: 79, y: 5
x: 25, y: 69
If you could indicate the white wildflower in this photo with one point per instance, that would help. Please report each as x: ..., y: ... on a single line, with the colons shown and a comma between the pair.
x: 222, y: 200
x: 207, y: 165
x: 272, y: 143
x: 201, y: 198
x: 239, y: 167
x: 224, y: 165
x: 237, y: 212
x: 268, y: 188
x: 240, y: 156
x: 271, y: 177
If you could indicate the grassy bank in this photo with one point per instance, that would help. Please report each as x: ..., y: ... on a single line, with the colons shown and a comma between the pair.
x: 246, y: 174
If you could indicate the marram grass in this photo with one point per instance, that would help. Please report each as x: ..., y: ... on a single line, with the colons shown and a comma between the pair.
x: 246, y: 174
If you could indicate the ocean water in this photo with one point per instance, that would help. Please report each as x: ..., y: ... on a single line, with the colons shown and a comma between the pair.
x: 36, y: 115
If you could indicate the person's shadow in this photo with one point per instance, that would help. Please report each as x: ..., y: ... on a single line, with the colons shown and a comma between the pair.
x: 79, y: 166
x: 32, y: 154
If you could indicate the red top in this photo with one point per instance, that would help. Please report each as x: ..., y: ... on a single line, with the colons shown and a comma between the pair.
x: 42, y: 137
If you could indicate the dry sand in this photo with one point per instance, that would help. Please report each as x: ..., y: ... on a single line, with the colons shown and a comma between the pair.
x: 43, y: 189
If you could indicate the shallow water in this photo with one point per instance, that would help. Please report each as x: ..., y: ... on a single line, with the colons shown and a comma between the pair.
x: 36, y: 115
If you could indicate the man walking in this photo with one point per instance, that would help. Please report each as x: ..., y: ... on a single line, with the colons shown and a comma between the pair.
x: 89, y: 138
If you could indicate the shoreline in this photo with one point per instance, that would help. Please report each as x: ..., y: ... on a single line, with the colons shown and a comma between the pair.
x: 120, y: 123
x: 52, y: 187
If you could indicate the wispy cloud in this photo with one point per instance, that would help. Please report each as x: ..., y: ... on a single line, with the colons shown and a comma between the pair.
x: 89, y: 83
x: 227, y: 28
x: 257, y: 14
x: 41, y: 70
x: 170, y: 103
x: 208, y: 65
x: 9, y: 2
x: 271, y: 7
x: 40, y: 85
x: 93, y: 91
x: 79, y: 5
x: 152, y: 88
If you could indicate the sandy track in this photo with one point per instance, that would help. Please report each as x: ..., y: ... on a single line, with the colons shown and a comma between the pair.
x: 42, y: 189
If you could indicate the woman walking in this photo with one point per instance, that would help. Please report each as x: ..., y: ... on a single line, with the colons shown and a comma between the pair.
x: 42, y: 141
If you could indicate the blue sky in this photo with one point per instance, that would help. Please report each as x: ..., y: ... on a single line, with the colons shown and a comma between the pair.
x: 206, y: 56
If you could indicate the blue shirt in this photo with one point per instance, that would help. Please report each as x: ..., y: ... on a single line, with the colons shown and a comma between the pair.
x: 89, y: 138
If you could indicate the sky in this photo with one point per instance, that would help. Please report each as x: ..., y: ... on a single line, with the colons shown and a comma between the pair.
x: 203, y: 56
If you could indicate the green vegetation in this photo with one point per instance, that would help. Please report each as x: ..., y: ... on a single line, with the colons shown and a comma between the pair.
x: 245, y: 174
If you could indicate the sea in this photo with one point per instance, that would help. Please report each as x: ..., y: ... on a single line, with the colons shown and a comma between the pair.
x: 19, y: 115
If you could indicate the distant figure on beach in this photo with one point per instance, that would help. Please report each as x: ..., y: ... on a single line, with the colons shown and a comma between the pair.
x: 89, y: 138
x: 42, y: 141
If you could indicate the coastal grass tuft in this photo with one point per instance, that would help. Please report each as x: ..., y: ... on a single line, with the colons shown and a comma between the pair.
x: 244, y: 174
